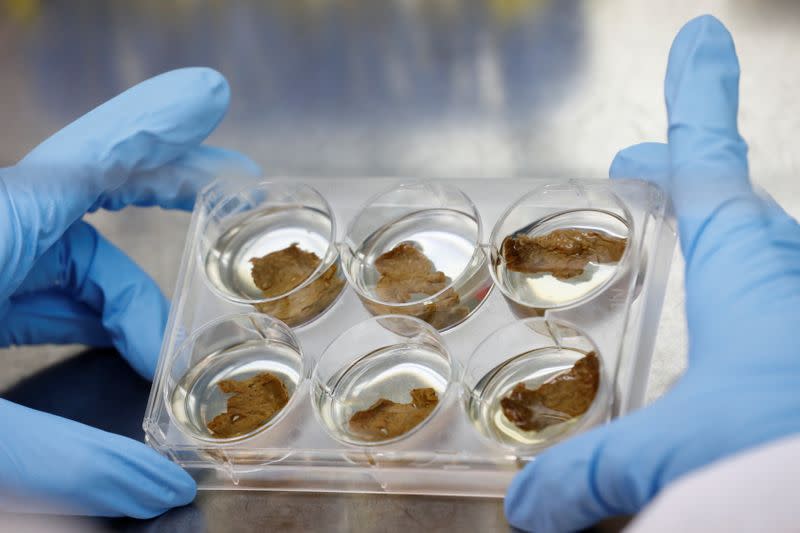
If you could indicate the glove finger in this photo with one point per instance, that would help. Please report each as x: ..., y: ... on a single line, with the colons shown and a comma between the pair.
x: 78, y: 469
x: 645, y: 161
x: 175, y: 185
x: 95, y: 272
x: 145, y: 127
x: 588, y: 477
x: 708, y: 156
x: 51, y: 317
x: 543, y: 500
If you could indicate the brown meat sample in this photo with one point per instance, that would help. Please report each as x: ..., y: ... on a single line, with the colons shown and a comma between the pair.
x: 405, y: 259
x: 563, y: 253
x: 386, y: 419
x: 446, y: 310
x: 254, y: 402
x: 279, y: 272
x: 407, y: 274
x: 566, y: 396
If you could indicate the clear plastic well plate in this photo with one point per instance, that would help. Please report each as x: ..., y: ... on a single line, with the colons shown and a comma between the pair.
x: 405, y: 336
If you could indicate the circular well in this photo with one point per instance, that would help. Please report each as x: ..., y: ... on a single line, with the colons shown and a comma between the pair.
x: 374, y: 384
x: 276, y: 227
x: 415, y: 250
x: 559, y: 277
x: 234, y: 349
x: 531, y: 353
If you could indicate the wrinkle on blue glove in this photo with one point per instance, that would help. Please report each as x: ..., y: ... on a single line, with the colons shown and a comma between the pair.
x: 67, y: 467
x: 175, y: 185
x: 743, y: 289
x: 87, y: 268
x: 50, y: 317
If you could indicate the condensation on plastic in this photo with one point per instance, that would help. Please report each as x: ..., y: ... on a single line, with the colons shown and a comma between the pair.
x: 621, y: 321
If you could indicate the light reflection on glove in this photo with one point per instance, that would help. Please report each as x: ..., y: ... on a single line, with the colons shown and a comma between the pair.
x: 742, y: 298
x: 62, y: 282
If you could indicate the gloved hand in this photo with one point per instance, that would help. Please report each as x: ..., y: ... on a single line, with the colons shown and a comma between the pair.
x: 62, y: 282
x: 742, y: 256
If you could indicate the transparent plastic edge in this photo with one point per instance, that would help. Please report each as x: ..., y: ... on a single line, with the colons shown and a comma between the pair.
x: 654, y: 292
x: 171, y: 332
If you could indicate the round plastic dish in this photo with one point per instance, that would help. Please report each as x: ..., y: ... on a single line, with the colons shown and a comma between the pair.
x: 532, y: 352
x: 233, y: 348
x: 283, y: 223
x: 540, y: 213
x: 382, y: 381
x: 415, y: 250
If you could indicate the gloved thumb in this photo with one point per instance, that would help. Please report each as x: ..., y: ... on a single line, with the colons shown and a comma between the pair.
x: 705, y: 164
x: 708, y: 156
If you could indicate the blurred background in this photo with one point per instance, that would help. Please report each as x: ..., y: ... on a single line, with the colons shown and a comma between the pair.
x: 440, y: 88
x: 443, y: 87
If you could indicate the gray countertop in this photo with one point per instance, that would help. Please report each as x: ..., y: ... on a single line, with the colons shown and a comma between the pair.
x: 395, y: 88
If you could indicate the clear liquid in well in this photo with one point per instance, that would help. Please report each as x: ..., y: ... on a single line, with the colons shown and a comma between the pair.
x: 446, y: 237
x: 532, y: 368
x: 197, y: 398
x: 389, y: 373
x: 545, y: 290
x: 257, y: 234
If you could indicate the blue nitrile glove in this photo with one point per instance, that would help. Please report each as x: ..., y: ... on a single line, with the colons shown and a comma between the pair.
x: 742, y: 387
x: 61, y: 282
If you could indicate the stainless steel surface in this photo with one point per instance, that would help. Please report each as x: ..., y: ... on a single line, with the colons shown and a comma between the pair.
x: 405, y: 87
